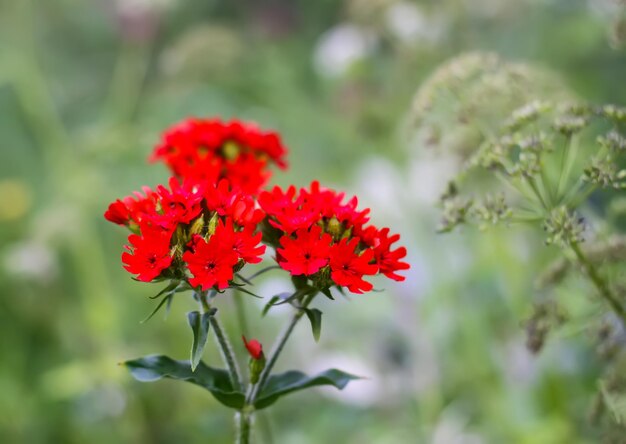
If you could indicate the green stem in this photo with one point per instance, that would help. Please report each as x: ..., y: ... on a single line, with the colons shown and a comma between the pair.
x: 223, y: 344
x: 255, y: 390
x: 240, y: 309
x: 535, y: 189
x: 566, y: 166
x: 127, y: 82
x: 243, y: 422
x: 599, y: 282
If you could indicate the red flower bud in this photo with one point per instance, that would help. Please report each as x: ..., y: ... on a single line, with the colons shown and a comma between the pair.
x: 254, y: 348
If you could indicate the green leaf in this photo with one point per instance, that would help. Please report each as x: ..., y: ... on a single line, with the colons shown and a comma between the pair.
x: 264, y: 270
x: 271, y: 303
x: 247, y: 281
x: 156, y: 367
x: 249, y: 292
x: 167, y: 299
x: 297, y: 294
x: 170, y: 287
x: 199, y: 324
x: 326, y: 292
x: 284, y: 383
x: 315, y: 317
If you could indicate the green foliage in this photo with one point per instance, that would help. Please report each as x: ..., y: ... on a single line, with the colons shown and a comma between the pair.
x: 199, y: 324
x: 315, y: 318
x: 156, y: 367
x: 292, y: 381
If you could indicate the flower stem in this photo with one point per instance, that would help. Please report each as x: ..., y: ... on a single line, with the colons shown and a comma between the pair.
x: 599, y: 282
x: 241, y: 312
x: 243, y: 424
x: 255, y: 390
x: 226, y: 350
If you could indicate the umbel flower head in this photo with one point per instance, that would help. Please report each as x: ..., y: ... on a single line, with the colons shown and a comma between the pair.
x: 195, y: 232
x: 319, y: 236
x: 210, y: 149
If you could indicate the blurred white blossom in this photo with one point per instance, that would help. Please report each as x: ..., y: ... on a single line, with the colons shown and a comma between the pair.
x: 30, y: 260
x: 408, y: 23
x: 429, y: 175
x: 340, y: 47
x: 452, y: 430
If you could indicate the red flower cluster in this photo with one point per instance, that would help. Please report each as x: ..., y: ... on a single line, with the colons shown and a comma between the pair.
x: 207, y: 230
x: 203, y: 227
x: 323, y: 238
x: 210, y: 149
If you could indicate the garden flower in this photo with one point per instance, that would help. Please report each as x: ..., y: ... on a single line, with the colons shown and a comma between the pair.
x: 210, y: 263
x: 305, y: 254
x: 211, y: 220
x: 191, y: 231
x: 210, y: 149
x: 318, y: 236
x: 348, y: 268
x: 148, y: 254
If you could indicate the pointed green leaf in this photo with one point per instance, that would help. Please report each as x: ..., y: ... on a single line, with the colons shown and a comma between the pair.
x: 297, y: 294
x: 271, y: 303
x: 170, y: 288
x: 166, y: 300
x: 249, y: 292
x: 264, y: 270
x: 326, y: 292
x: 247, y: 281
x: 156, y: 367
x: 315, y: 317
x: 168, y: 306
x: 284, y: 383
x: 199, y: 324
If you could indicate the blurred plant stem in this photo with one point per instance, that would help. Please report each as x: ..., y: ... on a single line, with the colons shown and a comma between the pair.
x: 55, y: 141
x: 599, y: 282
x: 34, y: 96
x: 59, y: 160
x: 255, y: 390
x: 243, y: 422
x: 240, y: 309
x: 126, y: 86
x: 223, y: 344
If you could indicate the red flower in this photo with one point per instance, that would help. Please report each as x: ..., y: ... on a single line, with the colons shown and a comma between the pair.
x: 348, y: 267
x: 306, y: 253
x: 389, y: 260
x: 232, y: 203
x: 288, y: 212
x: 180, y: 205
x: 210, y: 149
x: 132, y: 209
x: 148, y: 254
x: 254, y: 347
x: 118, y: 213
x: 210, y: 263
x: 354, y: 249
x: 245, y: 243
x: 248, y: 172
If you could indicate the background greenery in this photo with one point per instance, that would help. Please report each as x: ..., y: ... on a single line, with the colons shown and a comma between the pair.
x: 86, y: 86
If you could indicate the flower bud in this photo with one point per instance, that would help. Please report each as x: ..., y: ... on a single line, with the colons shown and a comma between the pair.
x: 257, y: 358
x: 334, y: 227
x: 197, y: 226
x: 213, y: 224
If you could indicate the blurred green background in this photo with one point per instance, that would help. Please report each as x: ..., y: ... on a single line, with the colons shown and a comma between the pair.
x: 86, y: 87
